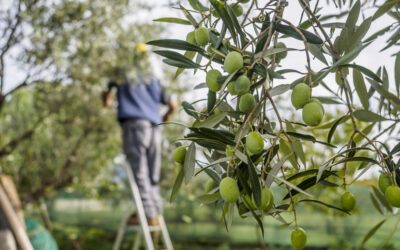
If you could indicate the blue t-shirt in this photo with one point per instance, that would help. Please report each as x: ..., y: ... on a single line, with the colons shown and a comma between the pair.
x: 140, y: 101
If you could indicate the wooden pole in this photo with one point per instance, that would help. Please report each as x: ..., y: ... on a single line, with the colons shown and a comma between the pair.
x: 15, y: 224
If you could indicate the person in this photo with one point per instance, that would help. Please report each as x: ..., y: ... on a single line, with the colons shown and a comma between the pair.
x: 138, y: 115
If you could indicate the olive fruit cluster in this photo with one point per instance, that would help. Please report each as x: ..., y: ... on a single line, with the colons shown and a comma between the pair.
x: 200, y: 36
x: 313, y: 111
x: 392, y: 193
x: 236, y: 8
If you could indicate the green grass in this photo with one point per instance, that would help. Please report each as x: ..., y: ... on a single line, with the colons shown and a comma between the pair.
x: 199, y: 227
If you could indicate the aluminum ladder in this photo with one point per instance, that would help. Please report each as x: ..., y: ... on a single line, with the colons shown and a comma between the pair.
x: 143, y: 228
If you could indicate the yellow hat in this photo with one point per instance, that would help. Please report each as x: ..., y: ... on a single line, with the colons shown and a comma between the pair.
x: 141, y: 47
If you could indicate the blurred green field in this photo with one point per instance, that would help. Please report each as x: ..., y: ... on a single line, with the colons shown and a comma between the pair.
x: 195, y: 227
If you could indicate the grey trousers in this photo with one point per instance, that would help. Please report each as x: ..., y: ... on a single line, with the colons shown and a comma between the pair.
x: 142, y: 147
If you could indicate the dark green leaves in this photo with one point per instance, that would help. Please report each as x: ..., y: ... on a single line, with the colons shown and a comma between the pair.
x: 176, y: 44
x: 361, y: 89
x: 334, y: 126
x: 287, y: 30
x: 197, y: 5
x: 176, y: 59
x: 372, y: 231
x: 189, y: 109
x: 255, y: 183
x: 219, y: 6
x: 325, y: 204
x: 177, y: 185
x: 384, y: 8
x: 397, y: 73
x: 368, y: 116
x: 172, y: 20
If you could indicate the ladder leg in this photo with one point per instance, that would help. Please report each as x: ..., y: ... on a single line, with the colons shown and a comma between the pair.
x: 165, y: 234
x: 138, y: 239
x: 140, y: 209
x: 121, y: 232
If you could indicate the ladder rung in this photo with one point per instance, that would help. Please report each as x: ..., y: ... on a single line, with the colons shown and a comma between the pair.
x: 139, y: 228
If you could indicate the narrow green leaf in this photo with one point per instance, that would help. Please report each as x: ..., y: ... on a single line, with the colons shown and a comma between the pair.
x: 190, y: 110
x: 384, y: 8
x: 372, y: 232
x: 177, y: 57
x: 208, y: 198
x: 302, y: 136
x: 382, y: 199
x: 325, y: 204
x: 334, y: 126
x: 212, y: 120
x: 288, y: 30
x: 361, y: 89
x: 188, y: 16
x: 397, y: 73
x: 274, y: 171
x: 327, y: 100
x: 377, y: 34
x: 219, y: 6
x: 255, y: 216
x: 365, y: 71
x: 177, y: 185
x: 352, y: 17
x: 368, y: 116
x: 384, y: 93
x: 190, y: 162
x: 255, y: 182
x: 317, y: 52
x: 345, y: 59
x: 376, y: 203
x: 176, y: 44
x: 212, y: 98
x: 356, y: 38
x: 172, y: 20
x: 196, y: 4
x: 280, y: 89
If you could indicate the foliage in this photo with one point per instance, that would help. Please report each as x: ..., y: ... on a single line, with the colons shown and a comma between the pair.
x: 54, y: 132
x: 371, y: 106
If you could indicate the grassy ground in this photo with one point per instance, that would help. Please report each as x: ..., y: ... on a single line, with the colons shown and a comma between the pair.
x: 194, y: 227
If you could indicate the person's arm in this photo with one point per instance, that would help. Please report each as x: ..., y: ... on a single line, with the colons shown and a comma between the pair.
x: 171, y: 108
x: 106, y: 94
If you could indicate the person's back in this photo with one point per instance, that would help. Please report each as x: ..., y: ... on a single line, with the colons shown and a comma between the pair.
x: 139, y: 114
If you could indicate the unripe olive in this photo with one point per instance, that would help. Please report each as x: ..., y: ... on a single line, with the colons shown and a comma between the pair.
x: 392, y: 195
x: 231, y: 88
x: 202, y: 36
x: 190, y: 37
x: 312, y: 114
x: 300, y: 95
x: 266, y: 199
x: 247, y: 103
x: 237, y: 9
x: 211, y: 80
x: 233, y: 61
x: 385, y: 181
x: 179, y: 154
x: 243, y: 1
x: 348, y: 201
x: 281, y: 55
x: 298, y: 238
x: 242, y: 85
x: 254, y: 142
x: 229, y: 190
x: 319, y: 103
